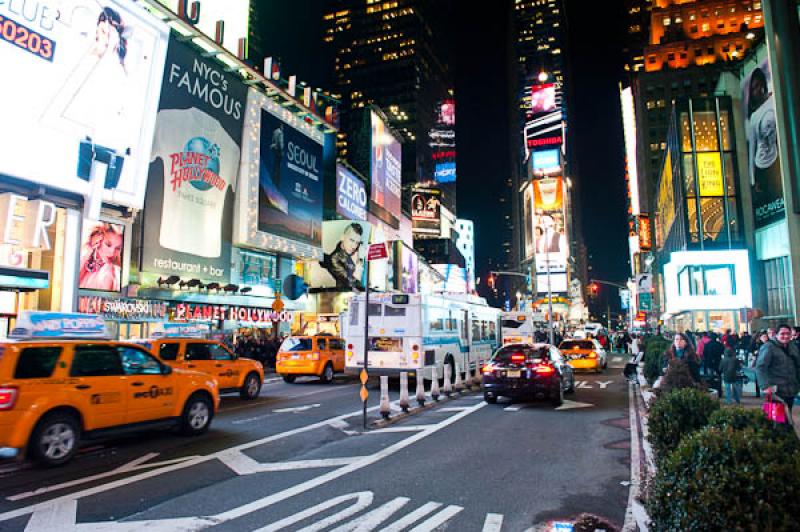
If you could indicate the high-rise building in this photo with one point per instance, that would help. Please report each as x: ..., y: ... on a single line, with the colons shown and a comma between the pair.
x: 637, y: 28
x: 393, y: 55
x: 690, y: 42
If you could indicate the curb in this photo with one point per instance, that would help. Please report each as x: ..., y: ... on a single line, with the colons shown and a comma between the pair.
x: 429, y: 404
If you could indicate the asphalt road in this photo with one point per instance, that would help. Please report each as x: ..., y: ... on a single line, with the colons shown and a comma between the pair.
x: 297, y: 459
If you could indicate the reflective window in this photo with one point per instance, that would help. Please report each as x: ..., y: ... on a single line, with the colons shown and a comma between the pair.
x: 218, y: 352
x: 138, y: 362
x: 168, y: 351
x: 95, y: 361
x: 197, y: 351
x: 36, y: 362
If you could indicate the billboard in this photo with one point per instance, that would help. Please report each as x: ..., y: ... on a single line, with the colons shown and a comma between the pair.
x: 385, y: 167
x: 409, y: 270
x: 555, y: 282
x: 708, y: 280
x: 666, y: 202
x: 631, y: 160
x: 549, y: 229
x: 527, y: 206
x: 351, y: 195
x: 193, y: 174
x: 545, y: 161
x: 764, y: 167
x: 344, y: 244
x: 543, y: 98
x: 102, y: 245
x: 426, y: 214
x: 709, y: 174
x: 445, y: 172
x: 80, y: 95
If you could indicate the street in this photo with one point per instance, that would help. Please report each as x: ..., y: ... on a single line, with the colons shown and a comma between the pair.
x: 297, y: 458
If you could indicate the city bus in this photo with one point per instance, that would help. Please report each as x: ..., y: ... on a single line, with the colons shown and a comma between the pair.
x: 416, y: 333
x: 520, y: 327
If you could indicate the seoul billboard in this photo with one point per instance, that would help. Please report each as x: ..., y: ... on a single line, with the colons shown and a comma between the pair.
x: 385, y: 166
x: 80, y: 95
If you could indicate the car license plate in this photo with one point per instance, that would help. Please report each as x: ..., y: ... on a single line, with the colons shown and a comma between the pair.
x: 513, y: 374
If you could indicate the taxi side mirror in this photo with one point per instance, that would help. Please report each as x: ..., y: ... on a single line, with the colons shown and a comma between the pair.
x: 166, y: 370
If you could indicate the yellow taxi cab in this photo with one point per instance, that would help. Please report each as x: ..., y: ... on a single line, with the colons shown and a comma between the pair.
x: 63, y: 381
x: 233, y: 373
x: 584, y: 354
x: 319, y: 356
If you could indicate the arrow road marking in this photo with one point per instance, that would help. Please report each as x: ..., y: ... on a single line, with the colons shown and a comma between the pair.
x: 241, y: 464
x: 603, y: 384
x: 569, y: 405
x: 296, y: 409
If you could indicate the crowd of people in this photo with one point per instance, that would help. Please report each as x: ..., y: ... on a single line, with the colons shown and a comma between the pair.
x: 261, y: 348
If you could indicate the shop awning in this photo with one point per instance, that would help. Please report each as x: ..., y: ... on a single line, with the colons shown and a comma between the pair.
x: 23, y: 279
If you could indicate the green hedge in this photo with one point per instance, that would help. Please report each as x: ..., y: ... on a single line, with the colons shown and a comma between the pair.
x: 738, y: 418
x: 654, y: 348
x: 675, y: 414
x: 726, y: 479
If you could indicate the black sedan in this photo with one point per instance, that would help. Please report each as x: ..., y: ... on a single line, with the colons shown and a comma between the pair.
x: 525, y: 371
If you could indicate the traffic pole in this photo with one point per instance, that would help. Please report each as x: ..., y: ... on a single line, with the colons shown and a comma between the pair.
x: 364, y: 372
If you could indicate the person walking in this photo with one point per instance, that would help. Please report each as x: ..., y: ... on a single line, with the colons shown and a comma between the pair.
x: 778, y: 367
x: 633, y: 362
x: 712, y: 355
x: 681, y: 349
x: 729, y: 369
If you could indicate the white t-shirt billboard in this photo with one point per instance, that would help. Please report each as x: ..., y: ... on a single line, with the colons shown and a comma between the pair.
x: 80, y: 94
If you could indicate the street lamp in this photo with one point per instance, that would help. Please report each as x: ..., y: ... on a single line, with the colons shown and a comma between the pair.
x: 542, y: 76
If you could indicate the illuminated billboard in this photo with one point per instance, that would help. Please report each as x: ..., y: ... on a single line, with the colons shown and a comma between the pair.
x: 545, y: 161
x: 351, y: 195
x: 344, y: 244
x: 385, y: 167
x: 102, y: 245
x: 426, y: 214
x: 543, y: 98
x: 528, y: 218
x: 80, y: 95
x: 708, y: 280
x: 555, y: 282
x: 549, y: 225
x: 445, y: 172
x: 629, y: 132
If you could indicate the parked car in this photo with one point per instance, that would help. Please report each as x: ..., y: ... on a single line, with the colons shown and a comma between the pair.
x: 56, y: 392
x: 527, y: 371
x: 318, y: 356
x: 585, y: 354
x: 232, y: 372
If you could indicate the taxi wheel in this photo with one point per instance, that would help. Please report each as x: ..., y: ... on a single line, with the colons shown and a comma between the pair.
x: 327, y: 374
x: 197, y: 414
x: 289, y: 379
x: 55, y: 439
x: 558, y: 400
x: 490, y: 398
x: 251, y: 387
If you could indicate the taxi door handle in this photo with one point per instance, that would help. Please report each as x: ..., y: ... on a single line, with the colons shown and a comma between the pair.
x: 137, y: 384
x: 82, y: 386
x: 219, y: 365
x: 190, y: 366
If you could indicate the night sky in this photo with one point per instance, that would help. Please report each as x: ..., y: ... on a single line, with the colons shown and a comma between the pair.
x: 293, y: 32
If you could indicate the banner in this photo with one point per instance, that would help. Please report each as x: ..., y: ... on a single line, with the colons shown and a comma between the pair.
x: 189, y: 204
x: 709, y: 174
x: 385, y: 167
x: 351, y: 195
x: 102, y: 245
x: 80, y: 93
x: 549, y: 228
x: 344, y: 244
x: 527, y: 206
x: 426, y: 213
x: 764, y: 167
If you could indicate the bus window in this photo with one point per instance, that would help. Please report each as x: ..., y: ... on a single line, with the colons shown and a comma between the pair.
x: 354, y: 313
x: 375, y: 309
x: 394, y: 311
x: 492, y: 331
x: 476, y: 330
x: 513, y: 324
x: 484, y: 332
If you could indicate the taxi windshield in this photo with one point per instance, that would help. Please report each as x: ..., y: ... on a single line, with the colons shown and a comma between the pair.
x: 297, y: 344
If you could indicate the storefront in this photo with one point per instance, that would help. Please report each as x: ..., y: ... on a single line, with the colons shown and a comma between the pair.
x: 126, y: 319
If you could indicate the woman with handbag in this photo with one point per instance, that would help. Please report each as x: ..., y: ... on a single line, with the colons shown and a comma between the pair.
x: 730, y: 369
x: 778, y: 367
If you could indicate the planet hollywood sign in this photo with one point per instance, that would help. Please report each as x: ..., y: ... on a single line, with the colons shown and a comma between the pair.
x: 208, y: 312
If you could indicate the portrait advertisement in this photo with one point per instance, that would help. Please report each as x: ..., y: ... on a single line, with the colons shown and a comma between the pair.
x: 102, y: 247
x: 344, y: 246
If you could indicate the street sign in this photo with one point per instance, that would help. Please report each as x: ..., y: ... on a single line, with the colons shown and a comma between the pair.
x: 646, y: 301
x: 644, y: 283
x: 377, y: 251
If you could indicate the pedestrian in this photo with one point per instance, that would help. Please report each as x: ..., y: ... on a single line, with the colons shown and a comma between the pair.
x: 690, y: 336
x: 778, y: 367
x: 760, y: 339
x: 633, y: 363
x: 796, y: 337
x: 712, y: 356
x: 730, y: 371
x: 744, y: 344
x: 681, y: 349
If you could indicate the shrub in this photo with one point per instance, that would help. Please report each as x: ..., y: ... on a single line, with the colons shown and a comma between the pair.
x: 676, y: 377
x: 724, y: 479
x: 654, y: 348
x: 676, y: 414
x: 737, y: 418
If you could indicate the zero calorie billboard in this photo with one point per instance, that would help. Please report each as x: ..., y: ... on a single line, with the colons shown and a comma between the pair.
x: 351, y: 195
x: 81, y: 82
x: 385, y: 166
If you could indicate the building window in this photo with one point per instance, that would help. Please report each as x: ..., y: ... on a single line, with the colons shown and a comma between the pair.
x: 779, y: 287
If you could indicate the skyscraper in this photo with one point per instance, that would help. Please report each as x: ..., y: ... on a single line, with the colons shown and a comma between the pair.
x: 393, y: 55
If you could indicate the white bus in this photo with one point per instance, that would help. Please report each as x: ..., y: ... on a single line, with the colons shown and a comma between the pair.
x: 520, y: 327
x: 415, y: 333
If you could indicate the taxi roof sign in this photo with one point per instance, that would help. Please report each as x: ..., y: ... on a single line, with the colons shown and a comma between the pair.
x: 52, y: 325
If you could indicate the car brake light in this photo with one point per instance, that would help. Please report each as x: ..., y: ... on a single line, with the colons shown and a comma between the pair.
x: 8, y: 396
x: 518, y: 358
x: 592, y: 355
x: 488, y: 368
x: 544, y: 369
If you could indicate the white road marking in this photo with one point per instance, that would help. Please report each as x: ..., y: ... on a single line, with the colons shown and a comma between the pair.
x: 296, y: 409
x: 272, y: 379
x: 437, y: 519
x: 134, y: 465
x: 372, y: 520
x: 493, y: 523
x: 453, y: 409
x: 362, y: 500
x: 604, y: 384
x: 512, y: 408
x: 569, y: 405
x: 241, y: 464
x: 583, y: 384
x: 202, y: 522
x: 60, y: 516
x: 402, y: 428
x: 413, y: 517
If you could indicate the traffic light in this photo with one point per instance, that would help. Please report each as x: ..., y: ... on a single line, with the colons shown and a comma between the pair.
x: 594, y: 290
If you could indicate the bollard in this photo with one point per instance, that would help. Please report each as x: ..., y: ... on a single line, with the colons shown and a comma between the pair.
x: 448, y: 386
x: 476, y: 377
x: 404, y: 391
x: 434, y: 384
x: 385, y: 408
x: 420, y: 389
x: 459, y: 384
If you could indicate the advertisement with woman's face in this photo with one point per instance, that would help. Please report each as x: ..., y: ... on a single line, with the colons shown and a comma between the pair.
x: 761, y: 128
x: 83, y: 79
x: 102, y: 245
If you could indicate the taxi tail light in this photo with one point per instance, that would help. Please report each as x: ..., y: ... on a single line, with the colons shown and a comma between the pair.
x: 8, y: 396
x: 592, y: 355
x: 488, y: 368
x: 544, y: 369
